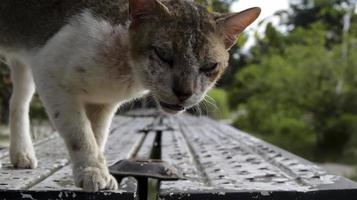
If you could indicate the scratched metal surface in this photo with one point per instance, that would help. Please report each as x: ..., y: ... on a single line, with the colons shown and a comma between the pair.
x: 121, y: 145
x: 225, y: 163
x: 219, y: 162
x: 53, y: 178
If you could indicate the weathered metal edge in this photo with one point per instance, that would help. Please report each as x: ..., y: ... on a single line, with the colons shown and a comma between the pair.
x: 349, y: 194
x: 64, y: 195
x: 340, y: 182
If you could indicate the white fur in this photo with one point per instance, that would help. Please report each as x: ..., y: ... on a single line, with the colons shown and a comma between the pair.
x: 21, y: 150
x: 81, y: 92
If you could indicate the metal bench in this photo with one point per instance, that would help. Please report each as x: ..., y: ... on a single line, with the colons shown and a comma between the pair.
x: 216, y: 160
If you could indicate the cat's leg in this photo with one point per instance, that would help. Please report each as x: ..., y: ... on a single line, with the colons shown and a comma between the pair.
x: 100, y: 116
x: 68, y: 114
x: 22, y: 154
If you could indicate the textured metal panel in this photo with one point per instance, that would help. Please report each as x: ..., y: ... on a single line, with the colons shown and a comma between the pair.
x: 5, y: 152
x: 62, y: 195
x: 257, y: 195
x: 299, y: 170
x: 53, y: 179
x: 143, y: 113
x: 144, y: 152
x: 62, y: 179
x: 122, y: 143
x: 147, y: 146
x: 219, y: 161
x: 231, y: 166
x: 124, y: 146
x: 175, y: 151
x: 237, y: 165
x: 53, y: 156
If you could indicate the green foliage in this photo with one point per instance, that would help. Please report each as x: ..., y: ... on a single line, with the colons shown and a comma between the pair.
x: 36, y: 111
x: 299, y: 90
x: 5, y: 92
x: 217, y: 104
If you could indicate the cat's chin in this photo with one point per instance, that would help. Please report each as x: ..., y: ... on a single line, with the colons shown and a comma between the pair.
x: 171, y: 109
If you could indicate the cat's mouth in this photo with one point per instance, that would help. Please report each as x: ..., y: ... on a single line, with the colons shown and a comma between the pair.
x: 171, y: 107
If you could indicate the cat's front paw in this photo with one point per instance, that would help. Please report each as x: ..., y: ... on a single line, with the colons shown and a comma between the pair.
x: 92, y: 179
x: 23, y: 159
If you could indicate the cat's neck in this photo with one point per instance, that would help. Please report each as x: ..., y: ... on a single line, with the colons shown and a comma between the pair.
x: 116, y: 57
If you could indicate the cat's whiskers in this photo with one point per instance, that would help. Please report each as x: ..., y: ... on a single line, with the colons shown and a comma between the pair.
x: 197, y: 110
x: 213, y: 105
x: 149, y: 99
x: 211, y: 101
x: 203, y: 105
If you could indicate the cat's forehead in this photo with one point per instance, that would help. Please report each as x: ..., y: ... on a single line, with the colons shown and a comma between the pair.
x: 188, y: 15
x: 186, y: 45
x: 189, y: 27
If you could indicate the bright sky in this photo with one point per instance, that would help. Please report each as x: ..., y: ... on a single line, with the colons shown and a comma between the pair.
x: 268, y: 7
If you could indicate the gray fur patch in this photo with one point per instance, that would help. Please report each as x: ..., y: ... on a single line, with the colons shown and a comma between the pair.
x: 31, y: 23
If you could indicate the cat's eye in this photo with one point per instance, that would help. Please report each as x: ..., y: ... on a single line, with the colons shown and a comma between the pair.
x: 209, y: 68
x: 164, y: 55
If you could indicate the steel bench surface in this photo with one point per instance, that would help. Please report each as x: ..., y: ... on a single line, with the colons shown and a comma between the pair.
x: 217, y: 161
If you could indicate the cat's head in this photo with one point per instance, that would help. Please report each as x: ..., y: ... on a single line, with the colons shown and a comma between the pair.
x: 179, y: 49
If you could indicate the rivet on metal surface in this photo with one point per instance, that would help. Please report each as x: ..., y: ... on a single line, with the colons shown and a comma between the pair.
x: 142, y: 170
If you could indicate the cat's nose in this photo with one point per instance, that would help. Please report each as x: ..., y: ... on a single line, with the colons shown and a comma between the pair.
x: 182, y: 95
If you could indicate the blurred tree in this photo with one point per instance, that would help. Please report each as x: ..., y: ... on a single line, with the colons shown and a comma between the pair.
x: 5, y: 93
x: 36, y: 111
x: 218, y: 109
x: 330, y: 13
x: 299, y: 89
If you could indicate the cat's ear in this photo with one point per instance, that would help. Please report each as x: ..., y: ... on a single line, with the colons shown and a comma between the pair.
x: 139, y: 9
x: 234, y: 24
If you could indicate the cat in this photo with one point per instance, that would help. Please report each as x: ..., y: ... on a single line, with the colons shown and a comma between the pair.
x: 86, y: 57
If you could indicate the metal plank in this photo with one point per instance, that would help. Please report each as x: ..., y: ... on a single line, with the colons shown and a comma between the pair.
x: 144, y: 152
x: 229, y: 165
x: 52, y: 156
x: 257, y: 195
x: 5, y: 152
x: 117, y: 121
x: 60, y: 186
x: 130, y: 184
x: 113, y: 151
x: 62, y: 195
x: 240, y: 166
x: 299, y: 169
x: 122, y: 144
x: 176, y: 151
x: 143, y: 113
x: 147, y: 146
x: 220, y: 162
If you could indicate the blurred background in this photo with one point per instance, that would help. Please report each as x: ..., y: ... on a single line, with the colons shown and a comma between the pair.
x: 292, y: 81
